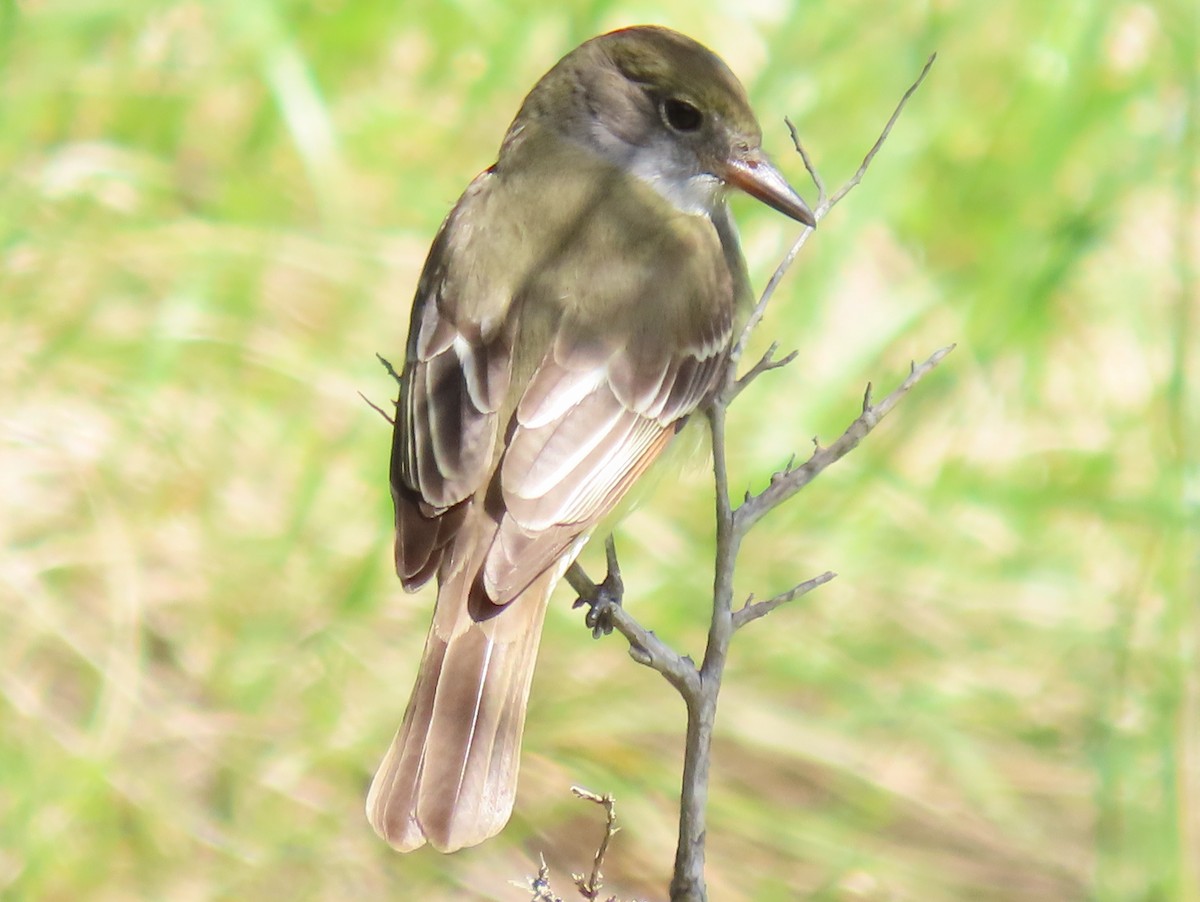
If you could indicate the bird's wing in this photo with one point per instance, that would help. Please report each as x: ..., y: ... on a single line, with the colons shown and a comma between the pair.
x: 455, y: 379
x: 623, y: 348
x: 592, y: 420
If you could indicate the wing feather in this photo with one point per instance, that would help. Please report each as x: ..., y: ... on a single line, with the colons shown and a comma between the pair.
x: 455, y: 378
x: 585, y: 431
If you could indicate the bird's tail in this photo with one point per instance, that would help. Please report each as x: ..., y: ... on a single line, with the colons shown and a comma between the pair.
x: 450, y: 776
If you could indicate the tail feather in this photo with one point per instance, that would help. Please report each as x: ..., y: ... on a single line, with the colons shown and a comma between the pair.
x: 450, y: 775
x: 392, y: 800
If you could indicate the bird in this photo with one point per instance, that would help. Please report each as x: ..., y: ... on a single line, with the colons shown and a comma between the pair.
x: 577, y: 305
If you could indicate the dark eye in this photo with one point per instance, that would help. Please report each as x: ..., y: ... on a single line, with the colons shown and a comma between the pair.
x: 681, y: 115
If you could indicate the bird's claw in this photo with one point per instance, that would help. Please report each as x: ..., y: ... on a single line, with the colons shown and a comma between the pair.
x: 601, y: 608
x: 604, y: 598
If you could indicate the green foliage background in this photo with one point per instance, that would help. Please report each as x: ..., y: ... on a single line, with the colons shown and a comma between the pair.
x: 213, y: 214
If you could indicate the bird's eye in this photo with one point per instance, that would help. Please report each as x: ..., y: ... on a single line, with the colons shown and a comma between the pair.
x: 681, y: 115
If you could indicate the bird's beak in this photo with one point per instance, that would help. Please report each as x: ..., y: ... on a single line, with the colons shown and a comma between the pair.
x: 753, y: 173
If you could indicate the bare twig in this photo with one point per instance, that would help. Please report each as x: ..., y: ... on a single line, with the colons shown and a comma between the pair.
x: 752, y: 609
x: 887, y: 130
x: 788, y: 484
x: 589, y: 887
x: 765, y: 364
x: 540, y: 885
x: 756, y: 315
x: 391, y: 372
x: 379, y: 410
x: 808, y: 163
x: 387, y: 365
x: 824, y: 205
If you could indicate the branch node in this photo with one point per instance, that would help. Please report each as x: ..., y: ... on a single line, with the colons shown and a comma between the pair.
x: 640, y: 655
x: 766, y: 363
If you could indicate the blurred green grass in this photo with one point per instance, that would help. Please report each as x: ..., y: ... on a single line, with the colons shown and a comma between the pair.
x: 212, y: 215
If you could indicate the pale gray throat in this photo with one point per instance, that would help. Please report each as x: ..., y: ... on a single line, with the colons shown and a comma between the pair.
x: 697, y: 193
x: 684, y: 187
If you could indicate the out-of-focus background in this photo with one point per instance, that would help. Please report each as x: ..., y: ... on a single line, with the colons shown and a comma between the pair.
x: 212, y: 215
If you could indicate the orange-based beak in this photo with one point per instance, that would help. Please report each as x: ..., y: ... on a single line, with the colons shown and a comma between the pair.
x: 753, y: 173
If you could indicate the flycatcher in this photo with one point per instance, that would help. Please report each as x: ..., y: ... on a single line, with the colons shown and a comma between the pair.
x: 577, y: 305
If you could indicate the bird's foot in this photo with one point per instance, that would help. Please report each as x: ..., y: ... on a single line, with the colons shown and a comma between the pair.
x: 602, y: 599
